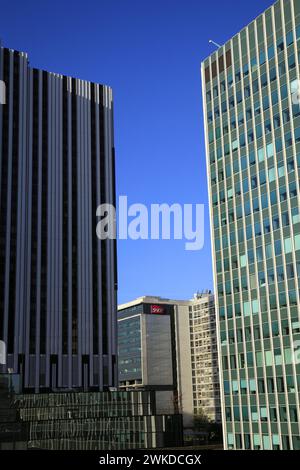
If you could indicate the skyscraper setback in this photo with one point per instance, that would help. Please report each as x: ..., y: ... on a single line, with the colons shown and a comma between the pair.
x: 252, y: 121
x: 57, y: 280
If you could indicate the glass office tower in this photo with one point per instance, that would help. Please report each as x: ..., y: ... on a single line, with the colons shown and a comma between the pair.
x: 252, y: 123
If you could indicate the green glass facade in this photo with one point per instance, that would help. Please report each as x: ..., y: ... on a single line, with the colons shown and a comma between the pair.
x: 252, y: 123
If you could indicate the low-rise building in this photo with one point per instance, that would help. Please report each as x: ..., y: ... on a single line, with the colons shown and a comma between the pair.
x: 170, y: 346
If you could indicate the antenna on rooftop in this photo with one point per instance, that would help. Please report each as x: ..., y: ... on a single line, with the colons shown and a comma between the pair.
x: 214, y: 43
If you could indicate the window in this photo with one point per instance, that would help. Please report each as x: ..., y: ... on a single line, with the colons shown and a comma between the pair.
x: 224, y: 107
x: 271, y: 386
x: 243, y: 260
x: 276, y: 121
x: 278, y: 357
x: 256, y: 441
x: 288, y: 356
x: 254, y: 182
x: 261, y: 154
x: 280, y: 273
x: 287, y: 245
x: 282, y: 71
x: 273, y: 74
x: 292, y: 62
x: 269, y: 358
x: 230, y: 193
x: 252, y: 384
x: 268, y: 127
x: 295, y: 215
x: 289, y: 38
x: 264, y: 80
x: 235, y: 145
x: 230, y: 441
x: 246, y: 70
x: 255, y: 307
x: 252, y: 158
x: 297, y: 135
x: 247, y: 92
x: 266, y: 103
x: 271, y: 52
x: 276, y: 223
x: 293, y: 190
x: 263, y: 414
x: 273, y: 414
x: 239, y: 97
x: 286, y: 116
x: 281, y: 170
x: 254, y: 414
x: 266, y: 443
x: 272, y: 175
x: 246, y: 309
x: 270, y: 150
x: 280, y: 385
x: 274, y: 97
x: 235, y: 387
x: 262, y: 282
x: 259, y: 359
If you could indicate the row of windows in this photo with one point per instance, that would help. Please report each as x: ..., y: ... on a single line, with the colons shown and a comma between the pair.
x: 256, y: 229
x: 257, y: 204
x: 254, y: 307
x: 254, y: 182
x: 245, y: 161
x: 263, y: 153
x: 252, y: 386
x: 254, y: 64
x: 278, y: 248
x: 270, y: 385
x: 256, y: 86
x: 262, y: 442
x: 241, y: 96
x: 260, y: 129
x: 264, y: 332
x: 241, y: 284
x: 262, y: 414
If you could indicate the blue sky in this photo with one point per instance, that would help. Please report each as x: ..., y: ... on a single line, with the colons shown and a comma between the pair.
x: 150, y: 52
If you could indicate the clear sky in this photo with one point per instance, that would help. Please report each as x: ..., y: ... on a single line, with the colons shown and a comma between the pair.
x: 150, y: 52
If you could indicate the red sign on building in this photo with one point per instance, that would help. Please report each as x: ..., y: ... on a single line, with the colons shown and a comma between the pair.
x: 157, y: 309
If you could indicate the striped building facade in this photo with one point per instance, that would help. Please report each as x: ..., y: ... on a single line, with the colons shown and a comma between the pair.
x: 57, y: 280
x: 252, y: 129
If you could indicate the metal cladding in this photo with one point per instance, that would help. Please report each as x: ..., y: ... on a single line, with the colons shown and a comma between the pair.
x: 57, y: 280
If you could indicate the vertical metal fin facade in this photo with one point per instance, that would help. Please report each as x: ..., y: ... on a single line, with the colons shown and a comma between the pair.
x: 57, y: 280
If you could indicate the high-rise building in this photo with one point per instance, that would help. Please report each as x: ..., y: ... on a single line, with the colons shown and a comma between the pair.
x: 204, y: 358
x: 57, y: 280
x: 170, y: 346
x: 252, y: 124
